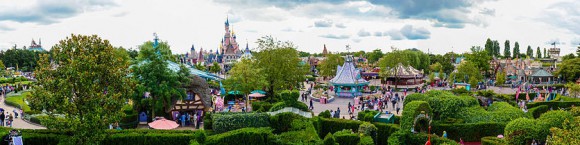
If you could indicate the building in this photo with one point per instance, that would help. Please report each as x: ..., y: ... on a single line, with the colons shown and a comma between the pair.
x: 229, y: 48
x: 348, y: 81
x: 36, y: 47
x: 407, y: 76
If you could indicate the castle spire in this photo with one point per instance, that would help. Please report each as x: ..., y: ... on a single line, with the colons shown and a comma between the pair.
x: 227, y: 21
x: 192, y: 47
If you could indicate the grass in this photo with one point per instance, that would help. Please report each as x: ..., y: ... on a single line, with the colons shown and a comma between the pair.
x: 19, y: 99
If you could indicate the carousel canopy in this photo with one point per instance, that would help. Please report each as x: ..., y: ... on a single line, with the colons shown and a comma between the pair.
x: 405, y: 71
x: 348, y: 75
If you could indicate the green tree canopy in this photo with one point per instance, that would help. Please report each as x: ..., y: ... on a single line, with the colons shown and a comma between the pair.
x: 506, y: 49
x: 546, y: 54
x: 2, y: 69
x: 215, y: 67
x: 479, y: 58
x: 489, y: 47
x: 153, y: 75
x: 530, y: 52
x: 86, y: 82
x: 568, y: 56
x: 516, y: 50
x: 569, y: 69
x: 496, y: 48
x: 280, y: 63
x: 538, y: 53
x: 25, y: 60
x: 374, y: 56
x: 467, y: 72
x: 245, y: 77
x: 327, y: 66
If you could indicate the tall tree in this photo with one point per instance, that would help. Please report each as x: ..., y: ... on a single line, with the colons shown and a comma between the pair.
x: 496, y: 48
x: 479, y: 58
x: 569, y: 69
x: 500, y: 78
x: 2, y: 69
x: 86, y: 83
x: 506, y: 49
x: 329, y: 65
x: 215, y: 68
x: 280, y: 63
x: 568, y: 56
x: 546, y: 54
x: 467, y: 72
x: 374, y: 56
x: 530, y: 52
x: 245, y: 77
x: 489, y: 47
x: 538, y: 53
x: 516, y: 50
x: 154, y: 76
x: 578, y: 51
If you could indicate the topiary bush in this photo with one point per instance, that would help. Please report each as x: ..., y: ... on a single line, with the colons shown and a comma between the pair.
x: 329, y: 140
x: 346, y: 137
x: 366, y: 140
x: 552, y: 119
x: 384, y: 131
x: 521, y: 131
x: 261, y: 106
x: 331, y: 125
x: 470, y: 132
x: 302, y: 131
x: 498, y: 112
x: 411, y: 110
x: 367, y: 115
x: 443, y: 104
x: 575, y: 111
x: 207, y: 121
x: 226, y: 122
x: 281, y: 122
x: 404, y: 137
x: 324, y: 114
x: 367, y: 129
x: 538, y: 110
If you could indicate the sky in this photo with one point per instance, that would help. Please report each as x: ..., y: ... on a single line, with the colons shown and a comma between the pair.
x: 429, y: 25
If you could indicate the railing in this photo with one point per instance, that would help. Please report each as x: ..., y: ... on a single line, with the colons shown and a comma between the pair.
x: 293, y: 110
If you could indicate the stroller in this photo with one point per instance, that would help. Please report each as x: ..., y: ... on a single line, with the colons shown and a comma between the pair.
x: 14, y: 137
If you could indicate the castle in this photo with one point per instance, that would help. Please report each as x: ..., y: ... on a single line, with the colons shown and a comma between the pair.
x: 227, y: 53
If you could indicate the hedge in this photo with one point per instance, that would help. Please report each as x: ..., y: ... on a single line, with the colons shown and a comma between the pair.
x: 281, y: 122
x: 367, y: 115
x: 329, y: 140
x: 261, y: 106
x: 521, y: 131
x: 302, y: 132
x: 384, y: 131
x: 539, y: 110
x: 555, y: 105
x: 42, y: 139
x: 366, y: 140
x: 443, y: 104
x: 346, y: 137
x: 471, y: 132
x: 411, y: 110
x: 498, y: 112
x: 405, y: 137
x: 493, y: 140
x: 208, y: 121
x: 226, y: 122
x: 244, y: 136
x: 552, y: 119
x: 282, y: 105
x: 331, y: 125
x: 147, y: 139
x: 324, y: 114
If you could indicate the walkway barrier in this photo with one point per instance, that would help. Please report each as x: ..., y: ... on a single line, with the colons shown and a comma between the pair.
x: 293, y: 110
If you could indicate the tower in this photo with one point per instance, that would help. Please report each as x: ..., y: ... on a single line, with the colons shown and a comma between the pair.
x: 324, y: 51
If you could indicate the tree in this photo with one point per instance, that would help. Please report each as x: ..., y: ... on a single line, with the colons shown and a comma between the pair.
x: 496, y: 49
x: 215, y: 67
x: 538, y: 53
x: 25, y: 60
x: 435, y: 67
x: 546, y: 54
x: 569, y: 69
x: 441, y: 74
x: 245, y: 77
x: 530, y: 52
x: 467, y: 72
x: 479, y: 58
x: 578, y: 51
x: 574, y: 89
x: 359, y: 53
x: 154, y: 76
x: 86, y: 82
x: 568, y: 134
x: 516, y: 50
x: 2, y: 69
x: 374, y: 56
x: 200, y: 67
x: 506, y: 50
x: 329, y: 65
x: 568, y: 56
x: 500, y: 78
x: 388, y: 64
x: 280, y: 63
x: 489, y: 47
x: 303, y: 54
x: 444, y: 60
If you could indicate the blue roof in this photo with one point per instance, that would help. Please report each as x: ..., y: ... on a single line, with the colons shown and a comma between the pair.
x: 458, y: 60
x: 206, y: 75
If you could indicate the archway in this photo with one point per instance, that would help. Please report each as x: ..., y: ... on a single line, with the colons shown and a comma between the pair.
x: 421, y: 123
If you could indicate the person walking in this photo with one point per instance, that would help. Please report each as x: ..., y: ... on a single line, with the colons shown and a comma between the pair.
x: 2, y: 116
x: 349, y: 108
x: 337, y: 114
x: 10, y: 119
x: 331, y: 114
x: 311, y: 105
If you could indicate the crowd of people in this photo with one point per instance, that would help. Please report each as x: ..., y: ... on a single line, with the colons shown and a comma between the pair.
x: 188, y: 118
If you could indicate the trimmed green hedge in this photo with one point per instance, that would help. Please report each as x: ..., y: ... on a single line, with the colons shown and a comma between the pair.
x: 521, y: 131
x: 405, y: 137
x: 555, y: 105
x: 552, y: 119
x: 302, y: 132
x: 384, y: 131
x: 443, y: 104
x: 226, y: 122
x: 261, y: 106
x: 147, y: 139
x: 208, y: 121
x: 347, y: 137
x: 244, y: 136
x: 366, y: 140
x: 411, y: 110
x: 538, y: 110
x: 498, y: 112
x: 493, y: 140
x: 367, y: 115
x: 281, y: 122
x: 471, y: 132
x: 331, y: 125
x: 282, y: 105
x: 324, y: 114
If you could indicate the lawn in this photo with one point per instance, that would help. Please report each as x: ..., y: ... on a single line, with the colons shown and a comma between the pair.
x: 18, y: 99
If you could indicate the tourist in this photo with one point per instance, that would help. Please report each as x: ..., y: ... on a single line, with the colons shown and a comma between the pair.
x: 198, y: 121
x: 349, y: 112
x: 444, y: 134
x: 10, y: 119
x: 331, y: 114
x: 398, y: 108
x: 182, y: 119
x: 352, y: 109
x: 311, y: 105
x: 534, y: 142
x: 461, y: 141
x: 15, y: 113
x: 337, y: 114
x: 194, y: 119
x: 2, y: 116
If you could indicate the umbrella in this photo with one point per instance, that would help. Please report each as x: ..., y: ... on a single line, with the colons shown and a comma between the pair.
x: 163, y: 124
x: 234, y: 93
x: 1, y: 109
x: 258, y: 91
x: 257, y: 95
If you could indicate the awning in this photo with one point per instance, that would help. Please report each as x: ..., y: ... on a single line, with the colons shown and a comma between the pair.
x: 258, y: 91
x: 256, y: 95
x: 234, y: 93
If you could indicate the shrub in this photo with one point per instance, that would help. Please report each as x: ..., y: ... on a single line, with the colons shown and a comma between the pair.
x: 193, y: 142
x: 42, y: 139
x: 575, y: 111
x: 207, y: 120
x: 498, y: 112
x: 486, y: 93
x: 521, y: 131
x: 226, y: 122
x: 384, y: 131
x: 346, y: 137
x: 366, y: 140
x: 324, y: 114
x: 329, y: 139
x: 552, y: 119
x: 460, y: 91
x: 444, y: 104
x: 367, y: 115
x: 411, y: 110
x: 539, y: 110
x: 303, y: 132
x: 492, y: 140
x: 404, y: 137
x: 244, y: 136
x: 331, y: 125
x: 367, y: 129
x: 281, y: 122
x: 282, y: 105
x: 555, y: 105
x: 471, y: 132
x: 261, y: 106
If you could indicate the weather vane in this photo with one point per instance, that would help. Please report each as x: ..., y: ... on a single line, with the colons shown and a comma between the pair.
x: 156, y: 44
x: 348, y: 48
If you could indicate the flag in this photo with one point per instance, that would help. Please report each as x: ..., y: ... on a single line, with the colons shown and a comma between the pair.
x: 222, y: 90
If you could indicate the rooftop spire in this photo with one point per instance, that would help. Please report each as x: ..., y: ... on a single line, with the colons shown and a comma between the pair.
x: 227, y: 21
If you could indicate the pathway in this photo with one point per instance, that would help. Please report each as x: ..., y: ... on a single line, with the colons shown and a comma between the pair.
x: 18, y: 122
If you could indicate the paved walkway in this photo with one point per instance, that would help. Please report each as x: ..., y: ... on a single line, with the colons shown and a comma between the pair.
x: 18, y: 122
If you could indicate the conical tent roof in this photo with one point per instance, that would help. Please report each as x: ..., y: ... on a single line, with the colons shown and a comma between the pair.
x: 348, y: 75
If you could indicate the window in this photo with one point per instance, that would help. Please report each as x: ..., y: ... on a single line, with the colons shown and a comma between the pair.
x: 190, y: 95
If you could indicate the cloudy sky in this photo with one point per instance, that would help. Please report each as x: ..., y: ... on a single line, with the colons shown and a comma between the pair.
x: 437, y: 26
